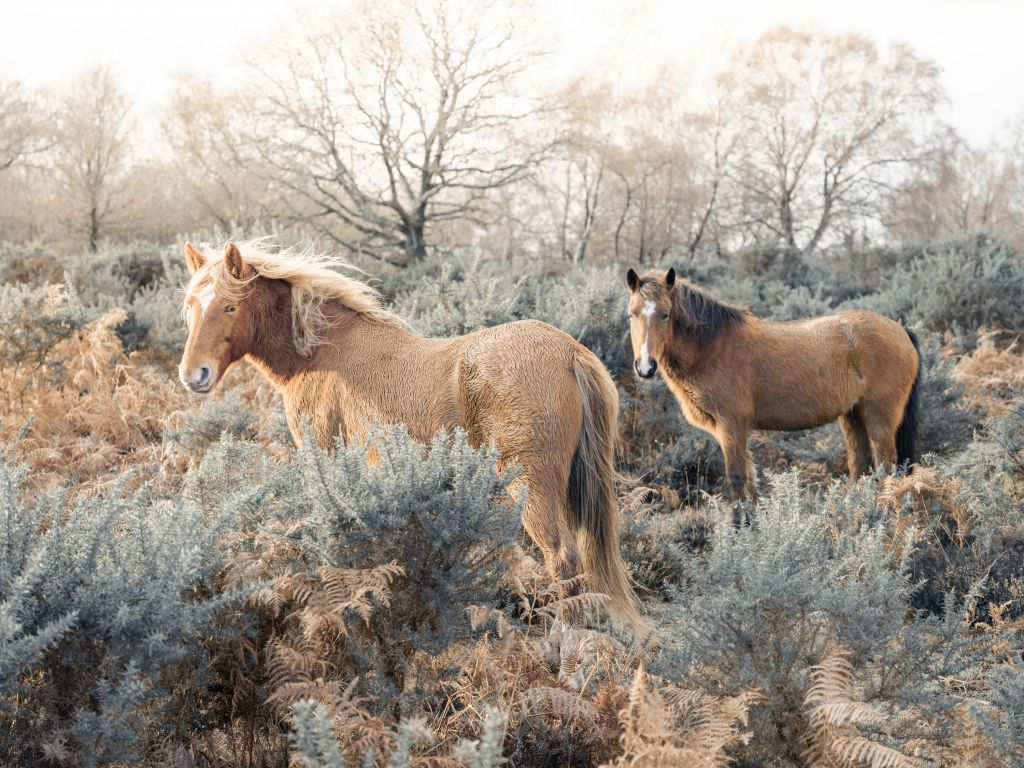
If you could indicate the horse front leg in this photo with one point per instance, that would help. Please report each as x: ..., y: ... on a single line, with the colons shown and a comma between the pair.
x: 740, y: 477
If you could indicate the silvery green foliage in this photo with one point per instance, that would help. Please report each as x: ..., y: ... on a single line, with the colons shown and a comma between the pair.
x: 959, y: 285
x: 440, y: 511
x: 217, y: 416
x: 1000, y: 717
x: 33, y: 321
x: 20, y: 648
x: 998, y: 447
x: 459, y: 301
x: 105, y: 585
x: 312, y: 737
x: 766, y: 600
x: 487, y: 751
x: 409, y: 735
x: 314, y: 745
x: 588, y: 304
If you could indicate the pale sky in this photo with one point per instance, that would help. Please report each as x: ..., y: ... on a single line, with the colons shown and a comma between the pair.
x: 149, y: 42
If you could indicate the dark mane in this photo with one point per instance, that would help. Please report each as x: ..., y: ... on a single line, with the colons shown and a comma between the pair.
x: 698, y: 315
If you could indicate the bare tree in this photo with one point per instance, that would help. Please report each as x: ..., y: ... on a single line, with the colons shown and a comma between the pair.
x: 20, y: 132
x: 827, y: 125
x: 214, y: 157
x: 92, y: 151
x: 575, y: 172
x: 399, y: 122
x: 635, y: 176
x: 961, y: 190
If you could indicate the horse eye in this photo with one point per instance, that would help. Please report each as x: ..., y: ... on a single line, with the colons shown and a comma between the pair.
x: 230, y: 309
x: 664, y: 315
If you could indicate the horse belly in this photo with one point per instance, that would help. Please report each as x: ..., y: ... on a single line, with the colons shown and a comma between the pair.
x: 809, y: 396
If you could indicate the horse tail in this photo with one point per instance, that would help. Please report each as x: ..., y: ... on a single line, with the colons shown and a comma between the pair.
x: 906, y: 433
x: 591, y: 494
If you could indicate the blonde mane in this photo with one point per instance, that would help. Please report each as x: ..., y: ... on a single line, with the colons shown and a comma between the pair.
x: 314, y: 278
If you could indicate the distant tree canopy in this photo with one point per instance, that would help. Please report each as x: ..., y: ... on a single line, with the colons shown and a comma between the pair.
x: 827, y: 124
x: 398, y: 128
x: 393, y: 123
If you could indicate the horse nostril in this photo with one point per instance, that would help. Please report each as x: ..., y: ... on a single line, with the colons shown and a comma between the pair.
x: 653, y: 366
x: 204, y: 376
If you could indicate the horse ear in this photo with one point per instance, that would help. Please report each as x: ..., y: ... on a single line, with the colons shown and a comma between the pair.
x: 632, y: 280
x: 670, y: 277
x: 194, y: 258
x: 236, y: 266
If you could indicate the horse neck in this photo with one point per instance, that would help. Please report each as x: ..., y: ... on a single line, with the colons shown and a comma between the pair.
x: 355, y: 348
x: 688, y: 359
x: 352, y: 345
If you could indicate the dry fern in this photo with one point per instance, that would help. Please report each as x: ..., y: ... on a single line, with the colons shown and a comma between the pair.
x: 991, y: 372
x: 833, y: 715
x: 681, y: 728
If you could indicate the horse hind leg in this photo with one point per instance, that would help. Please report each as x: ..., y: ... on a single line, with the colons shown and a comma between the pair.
x: 881, y: 426
x: 545, y: 522
x: 858, y: 445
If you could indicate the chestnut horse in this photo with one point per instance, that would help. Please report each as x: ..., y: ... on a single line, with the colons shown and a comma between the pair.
x: 341, y: 361
x: 733, y: 372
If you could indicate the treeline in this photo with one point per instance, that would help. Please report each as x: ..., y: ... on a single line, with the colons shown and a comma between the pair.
x: 398, y: 129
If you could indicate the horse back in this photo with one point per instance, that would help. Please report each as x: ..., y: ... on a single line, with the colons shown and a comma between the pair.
x: 809, y: 372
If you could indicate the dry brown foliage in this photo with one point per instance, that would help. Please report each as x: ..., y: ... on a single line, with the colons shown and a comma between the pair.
x: 924, y: 498
x: 106, y: 413
x: 992, y: 371
x: 835, y: 716
x: 669, y: 726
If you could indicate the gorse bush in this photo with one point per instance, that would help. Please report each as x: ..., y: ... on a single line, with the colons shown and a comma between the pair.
x: 100, y: 600
x: 959, y: 286
x: 33, y: 324
x: 768, y: 602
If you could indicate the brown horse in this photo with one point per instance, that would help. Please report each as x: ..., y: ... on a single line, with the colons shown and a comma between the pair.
x: 733, y: 372
x: 341, y: 361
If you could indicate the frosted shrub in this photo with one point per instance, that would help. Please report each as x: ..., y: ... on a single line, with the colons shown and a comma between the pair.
x: 769, y: 600
x: 98, y: 598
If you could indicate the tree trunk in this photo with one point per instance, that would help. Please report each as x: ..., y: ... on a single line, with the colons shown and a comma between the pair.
x: 94, y: 230
x: 786, y: 218
x: 415, y: 243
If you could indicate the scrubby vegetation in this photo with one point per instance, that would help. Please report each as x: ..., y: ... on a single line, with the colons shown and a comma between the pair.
x: 181, y: 586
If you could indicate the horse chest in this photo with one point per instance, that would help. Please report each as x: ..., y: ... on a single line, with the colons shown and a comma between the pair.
x: 698, y: 410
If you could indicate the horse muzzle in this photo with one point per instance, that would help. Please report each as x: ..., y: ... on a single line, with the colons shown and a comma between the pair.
x: 199, y: 380
x: 648, y: 373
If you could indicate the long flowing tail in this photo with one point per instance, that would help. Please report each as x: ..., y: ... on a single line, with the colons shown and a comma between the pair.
x: 592, y: 494
x: 906, y: 433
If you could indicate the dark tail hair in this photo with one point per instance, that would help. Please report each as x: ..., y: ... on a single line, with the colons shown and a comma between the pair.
x: 592, y: 498
x: 906, y: 434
